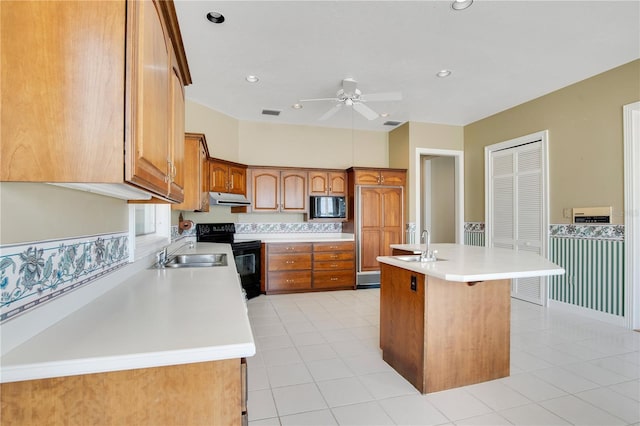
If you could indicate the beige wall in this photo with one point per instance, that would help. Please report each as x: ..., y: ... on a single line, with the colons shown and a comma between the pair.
x: 220, y: 130
x: 585, y: 142
x: 269, y: 144
x: 442, y: 181
x: 403, y: 142
x: 37, y: 212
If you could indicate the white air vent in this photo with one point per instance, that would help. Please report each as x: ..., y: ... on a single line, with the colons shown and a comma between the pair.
x: 271, y: 112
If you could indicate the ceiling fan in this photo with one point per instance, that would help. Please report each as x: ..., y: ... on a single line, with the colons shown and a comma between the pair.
x: 351, y: 96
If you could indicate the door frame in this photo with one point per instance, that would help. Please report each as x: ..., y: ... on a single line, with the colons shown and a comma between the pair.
x: 459, y: 187
x: 631, y: 120
x: 543, y: 136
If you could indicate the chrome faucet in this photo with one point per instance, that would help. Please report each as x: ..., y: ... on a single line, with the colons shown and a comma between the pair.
x: 427, y: 255
x: 161, y: 257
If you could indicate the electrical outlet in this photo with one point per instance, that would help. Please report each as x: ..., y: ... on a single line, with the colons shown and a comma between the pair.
x: 414, y: 283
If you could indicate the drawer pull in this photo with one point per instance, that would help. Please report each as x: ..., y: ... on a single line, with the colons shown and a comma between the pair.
x: 290, y: 281
x: 334, y: 256
x: 334, y: 279
x: 290, y: 261
x: 334, y: 265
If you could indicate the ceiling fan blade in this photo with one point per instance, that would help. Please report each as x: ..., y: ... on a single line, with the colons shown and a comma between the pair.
x: 319, y: 99
x: 374, y: 97
x: 331, y: 112
x: 349, y: 86
x: 365, y: 110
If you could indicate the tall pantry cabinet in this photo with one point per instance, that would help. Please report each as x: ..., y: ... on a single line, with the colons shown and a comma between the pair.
x: 376, y: 217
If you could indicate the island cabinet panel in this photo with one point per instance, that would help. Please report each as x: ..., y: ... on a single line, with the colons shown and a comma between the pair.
x: 444, y: 334
x: 201, y: 393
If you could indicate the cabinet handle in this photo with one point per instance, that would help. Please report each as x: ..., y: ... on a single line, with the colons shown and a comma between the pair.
x: 231, y: 184
x: 334, y: 256
x: 382, y: 179
x: 333, y: 265
x: 289, y: 281
x: 291, y: 262
x: 334, y: 279
x: 291, y: 248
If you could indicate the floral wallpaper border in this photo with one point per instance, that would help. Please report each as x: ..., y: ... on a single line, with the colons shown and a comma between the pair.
x: 37, y: 272
x: 298, y: 227
x: 587, y: 231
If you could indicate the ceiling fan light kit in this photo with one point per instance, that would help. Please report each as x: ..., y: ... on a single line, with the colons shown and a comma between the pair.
x: 461, y: 4
x: 352, y: 97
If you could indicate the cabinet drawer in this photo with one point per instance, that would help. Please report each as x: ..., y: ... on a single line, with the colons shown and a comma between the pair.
x: 297, y: 280
x: 328, y: 279
x: 334, y: 246
x: 333, y: 256
x: 288, y: 262
x: 333, y: 265
x: 289, y: 248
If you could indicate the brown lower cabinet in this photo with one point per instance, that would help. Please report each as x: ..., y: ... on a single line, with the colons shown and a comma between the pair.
x: 211, y: 393
x: 298, y: 267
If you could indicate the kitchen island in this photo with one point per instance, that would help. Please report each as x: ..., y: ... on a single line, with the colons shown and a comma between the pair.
x: 446, y: 323
x: 163, y: 347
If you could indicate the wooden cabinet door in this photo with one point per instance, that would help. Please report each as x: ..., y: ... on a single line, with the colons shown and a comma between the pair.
x: 265, y: 190
x: 294, y: 191
x: 204, y: 176
x: 318, y: 183
x: 150, y: 86
x: 62, y: 103
x: 218, y: 176
x: 367, y: 177
x: 382, y: 223
x: 337, y: 183
x: 392, y: 219
x: 237, y: 180
x: 177, y: 150
x: 392, y: 178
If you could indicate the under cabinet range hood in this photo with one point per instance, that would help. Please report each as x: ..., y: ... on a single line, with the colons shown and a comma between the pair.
x: 225, y: 199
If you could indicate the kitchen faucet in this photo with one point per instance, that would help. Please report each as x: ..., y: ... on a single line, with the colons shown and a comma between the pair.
x: 427, y: 255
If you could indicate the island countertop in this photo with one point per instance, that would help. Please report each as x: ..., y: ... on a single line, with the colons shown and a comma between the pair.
x: 158, y: 317
x: 463, y: 263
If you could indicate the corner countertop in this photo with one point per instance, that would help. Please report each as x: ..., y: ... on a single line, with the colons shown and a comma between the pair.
x: 294, y: 237
x: 464, y: 263
x: 158, y: 317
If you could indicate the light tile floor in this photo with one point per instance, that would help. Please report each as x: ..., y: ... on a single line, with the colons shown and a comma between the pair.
x: 318, y: 363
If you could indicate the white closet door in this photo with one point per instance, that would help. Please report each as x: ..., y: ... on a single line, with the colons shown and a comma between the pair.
x: 517, y: 209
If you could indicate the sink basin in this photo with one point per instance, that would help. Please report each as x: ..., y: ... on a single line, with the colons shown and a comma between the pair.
x: 415, y: 258
x: 197, y: 260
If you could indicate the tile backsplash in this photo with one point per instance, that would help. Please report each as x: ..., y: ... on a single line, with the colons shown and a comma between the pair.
x: 37, y: 272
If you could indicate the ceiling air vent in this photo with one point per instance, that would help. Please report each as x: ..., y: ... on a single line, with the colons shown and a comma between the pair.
x: 392, y: 123
x: 271, y: 112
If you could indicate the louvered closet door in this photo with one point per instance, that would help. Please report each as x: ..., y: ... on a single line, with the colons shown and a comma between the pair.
x: 517, y: 209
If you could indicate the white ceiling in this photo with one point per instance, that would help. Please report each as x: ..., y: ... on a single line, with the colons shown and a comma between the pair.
x: 501, y: 54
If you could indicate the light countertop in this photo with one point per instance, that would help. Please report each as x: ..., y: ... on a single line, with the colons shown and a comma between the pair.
x: 293, y: 237
x: 156, y: 318
x: 470, y: 263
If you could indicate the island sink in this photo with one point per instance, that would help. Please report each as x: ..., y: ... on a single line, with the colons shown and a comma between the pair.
x: 417, y: 258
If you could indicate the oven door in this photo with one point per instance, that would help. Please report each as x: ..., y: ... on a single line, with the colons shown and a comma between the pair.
x: 247, y: 258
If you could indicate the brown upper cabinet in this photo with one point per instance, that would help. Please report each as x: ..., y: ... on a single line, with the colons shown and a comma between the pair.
x: 327, y: 183
x: 274, y: 190
x: 196, y: 169
x: 225, y: 176
x: 76, y: 77
x: 385, y: 177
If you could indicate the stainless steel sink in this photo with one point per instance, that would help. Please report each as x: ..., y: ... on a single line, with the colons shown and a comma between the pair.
x: 197, y: 260
x: 415, y: 258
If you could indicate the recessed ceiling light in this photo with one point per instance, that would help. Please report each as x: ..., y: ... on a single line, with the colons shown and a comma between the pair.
x: 461, y: 4
x: 296, y: 106
x: 443, y: 73
x: 252, y: 78
x: 384, y: 114
x: 215, y: 17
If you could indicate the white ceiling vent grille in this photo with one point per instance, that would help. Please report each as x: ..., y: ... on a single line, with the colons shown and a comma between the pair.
x: 271, y: 112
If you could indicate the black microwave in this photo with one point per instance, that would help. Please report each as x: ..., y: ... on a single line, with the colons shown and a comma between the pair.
x: 327, y: 207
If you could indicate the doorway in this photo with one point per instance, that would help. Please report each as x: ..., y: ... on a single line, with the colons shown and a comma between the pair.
x: 446, y: 167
